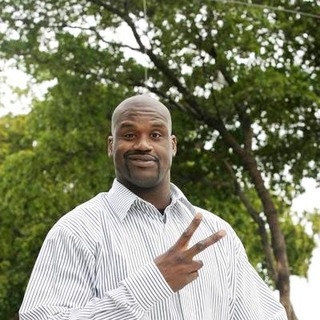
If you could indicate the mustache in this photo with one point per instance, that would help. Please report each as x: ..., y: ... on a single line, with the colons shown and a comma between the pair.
x: 130, y: 153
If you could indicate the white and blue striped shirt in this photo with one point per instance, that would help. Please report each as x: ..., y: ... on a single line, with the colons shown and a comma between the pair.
x: 97, y: 263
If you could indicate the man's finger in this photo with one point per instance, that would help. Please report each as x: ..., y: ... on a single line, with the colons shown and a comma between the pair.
x: 205, y: 243
x: 188, y: 233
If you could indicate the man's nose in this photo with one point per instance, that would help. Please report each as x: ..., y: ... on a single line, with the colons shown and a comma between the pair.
x: 143, y: 143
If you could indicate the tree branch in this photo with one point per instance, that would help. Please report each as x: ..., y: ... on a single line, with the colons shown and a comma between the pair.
x: 192, y: 104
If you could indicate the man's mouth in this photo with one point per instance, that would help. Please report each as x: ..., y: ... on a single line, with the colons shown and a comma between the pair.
x: 141, y: 160
x: 141, y: 157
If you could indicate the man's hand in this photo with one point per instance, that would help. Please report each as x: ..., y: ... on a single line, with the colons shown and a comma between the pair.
x: 177, y: 264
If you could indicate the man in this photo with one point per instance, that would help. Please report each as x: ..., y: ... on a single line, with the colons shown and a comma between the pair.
x: 142, y: 250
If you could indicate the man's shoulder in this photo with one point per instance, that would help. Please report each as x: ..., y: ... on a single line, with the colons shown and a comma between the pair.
x: 85, y: 219
x: 88, y: 210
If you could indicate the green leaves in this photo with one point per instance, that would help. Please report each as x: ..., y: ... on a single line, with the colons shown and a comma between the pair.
x: 52, y: 160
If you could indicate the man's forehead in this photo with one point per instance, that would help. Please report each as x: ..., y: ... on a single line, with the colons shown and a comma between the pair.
x: 141, y: 102
x: 160, y: 123
x: 134, y: 112
x: 135, y: 109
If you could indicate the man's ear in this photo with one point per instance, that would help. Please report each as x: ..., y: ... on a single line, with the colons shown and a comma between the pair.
x: 174, y: 144
x: 110, y: 146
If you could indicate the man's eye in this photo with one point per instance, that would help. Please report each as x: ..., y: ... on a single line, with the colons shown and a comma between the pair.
x: 155, y: 135
x: 129, y: 136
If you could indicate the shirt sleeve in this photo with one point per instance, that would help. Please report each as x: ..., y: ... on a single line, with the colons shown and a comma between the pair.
x: 254, y: 300
x: 62, y: 285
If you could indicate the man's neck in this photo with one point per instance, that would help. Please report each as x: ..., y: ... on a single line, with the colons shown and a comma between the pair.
x: 159, y: 198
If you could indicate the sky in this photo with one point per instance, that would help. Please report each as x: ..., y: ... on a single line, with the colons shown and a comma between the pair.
x: 305, y: 293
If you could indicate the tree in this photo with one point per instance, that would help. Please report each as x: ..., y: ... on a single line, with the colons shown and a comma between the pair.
x: 242, y: 82
x: 51, y: 160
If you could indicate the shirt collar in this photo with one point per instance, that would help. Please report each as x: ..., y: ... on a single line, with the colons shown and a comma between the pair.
x: 121, y: 198
x: 178, y: 196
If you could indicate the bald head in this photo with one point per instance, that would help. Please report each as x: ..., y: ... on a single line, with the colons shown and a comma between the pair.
x: 142, y: 146
x: 138, y: 103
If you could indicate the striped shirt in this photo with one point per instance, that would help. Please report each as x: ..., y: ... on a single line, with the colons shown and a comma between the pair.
x: 97, y: 262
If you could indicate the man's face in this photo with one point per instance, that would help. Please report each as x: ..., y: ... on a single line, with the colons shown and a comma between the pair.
x: 142, y: 146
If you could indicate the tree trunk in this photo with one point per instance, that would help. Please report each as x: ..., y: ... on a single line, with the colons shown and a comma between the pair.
x: 278, y: 243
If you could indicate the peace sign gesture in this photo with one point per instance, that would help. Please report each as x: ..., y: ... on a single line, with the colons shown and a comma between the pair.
x: 177, y: 264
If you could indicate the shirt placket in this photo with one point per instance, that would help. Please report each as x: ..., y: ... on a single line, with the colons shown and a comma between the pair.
x: 172, y: 232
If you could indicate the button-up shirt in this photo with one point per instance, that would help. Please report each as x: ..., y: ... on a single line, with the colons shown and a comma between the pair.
x: 97, y: 262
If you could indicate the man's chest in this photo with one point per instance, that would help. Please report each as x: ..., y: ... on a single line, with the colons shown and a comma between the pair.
x: 132, y: 245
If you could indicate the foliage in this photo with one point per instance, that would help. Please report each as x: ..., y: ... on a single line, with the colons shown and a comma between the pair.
x: 61, y: 163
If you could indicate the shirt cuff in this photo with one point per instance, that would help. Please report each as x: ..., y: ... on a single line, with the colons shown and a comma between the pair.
x: 148, y: 286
